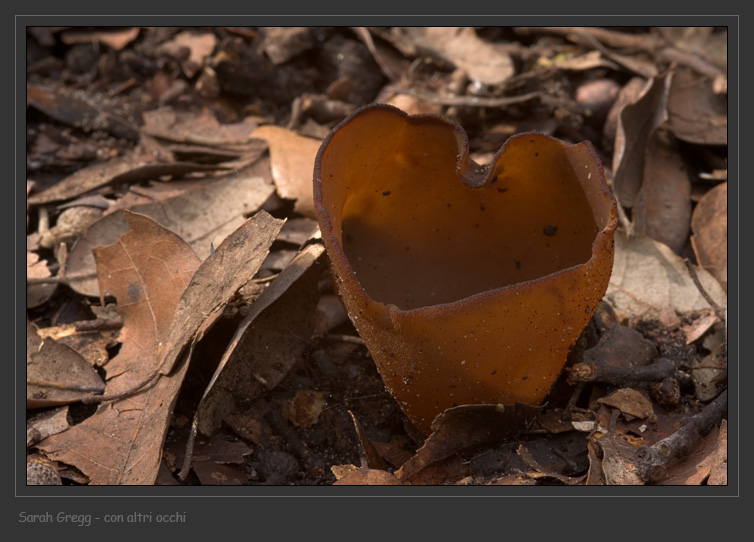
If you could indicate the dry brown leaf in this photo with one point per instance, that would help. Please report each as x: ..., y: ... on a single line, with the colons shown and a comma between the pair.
x: 464, y: 426
x: 709, y: 225
x: 636, y: 122
x: 234, y: 263
x: 292, y: 158
x: 628, y: 94
x: 146, y: 270
x: 126, y: 169
x: 56, y: 374
x: 486, y: 62
x: 268, y: 342
x: 649, y: 277
x: 629, y: 401
x: 695, y: 113
x: 202, y: 217
x: 617, y: 464
x: 87, y: 111
x: 197, y: 128
x: 662, y: 209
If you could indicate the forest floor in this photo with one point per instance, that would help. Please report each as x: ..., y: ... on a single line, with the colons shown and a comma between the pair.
x: 158, y: 354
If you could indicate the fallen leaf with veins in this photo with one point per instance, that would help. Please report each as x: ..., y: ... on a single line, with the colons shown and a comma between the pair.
x: 146, y: 270
x: 649, y: 277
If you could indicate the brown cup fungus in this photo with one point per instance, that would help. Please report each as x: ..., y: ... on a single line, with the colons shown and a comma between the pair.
x: 468, y: 283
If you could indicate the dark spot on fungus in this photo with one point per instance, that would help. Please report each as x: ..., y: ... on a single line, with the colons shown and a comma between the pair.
x: 549, y: 230
x: 481, y: 206
x: 518, y: 264
x: 501, y: 190
x: 386, y: 193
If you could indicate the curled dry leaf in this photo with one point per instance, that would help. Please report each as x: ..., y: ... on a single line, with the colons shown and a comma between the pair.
x: 146, y: 270
x: 709, y: 225
x: 662, y: 209
x: 636, y: 122
x: 648, y: 277
x: 292, y: 159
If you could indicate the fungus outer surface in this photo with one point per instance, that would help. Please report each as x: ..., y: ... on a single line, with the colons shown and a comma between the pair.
x: 467, y: 283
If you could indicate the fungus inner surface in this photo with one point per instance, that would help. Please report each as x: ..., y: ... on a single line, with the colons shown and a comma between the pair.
x: 416, y: 235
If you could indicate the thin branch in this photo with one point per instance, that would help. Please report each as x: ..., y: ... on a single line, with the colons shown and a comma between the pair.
x: 652, y: 461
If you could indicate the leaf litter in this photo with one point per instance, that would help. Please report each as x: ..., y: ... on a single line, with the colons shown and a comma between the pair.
x: 227, y: 130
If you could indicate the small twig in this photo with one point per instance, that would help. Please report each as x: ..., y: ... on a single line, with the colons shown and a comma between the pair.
x: 652, y: 461
x: 715, y: 307
x: 99, y: 324
x: 60, y: 279
x: 186, y: 468
x: 468, y: 101
x: 644, y: 42
x: 622, y: 376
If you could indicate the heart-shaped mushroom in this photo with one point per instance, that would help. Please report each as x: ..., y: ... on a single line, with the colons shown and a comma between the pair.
x: 468, y: 283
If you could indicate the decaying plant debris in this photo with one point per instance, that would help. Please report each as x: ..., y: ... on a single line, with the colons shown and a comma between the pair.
x: 181, y: 321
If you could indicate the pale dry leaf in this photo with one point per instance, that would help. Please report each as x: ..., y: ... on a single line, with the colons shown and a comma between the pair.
x: 488, y: 63
x: 116, y: 39
x: 347, y: 476
x: 292, y: 158
x: 45, y: 424
x: 649, y: 277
